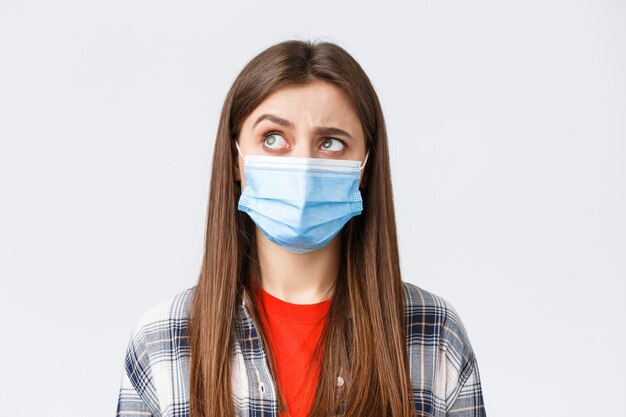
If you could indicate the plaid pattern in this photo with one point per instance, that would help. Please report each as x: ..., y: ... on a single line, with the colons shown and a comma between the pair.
x: 155, y: 379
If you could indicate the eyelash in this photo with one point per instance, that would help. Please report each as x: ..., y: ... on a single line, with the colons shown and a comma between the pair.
x: 274, y: 132
x: 271, y: 132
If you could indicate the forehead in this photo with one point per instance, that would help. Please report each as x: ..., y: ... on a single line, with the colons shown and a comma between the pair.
x: 315, y: 102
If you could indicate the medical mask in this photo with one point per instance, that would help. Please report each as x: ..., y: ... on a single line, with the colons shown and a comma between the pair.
x: 300, y: 203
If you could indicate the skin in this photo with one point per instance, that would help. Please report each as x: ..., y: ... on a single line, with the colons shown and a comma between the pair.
x: 301, y: 278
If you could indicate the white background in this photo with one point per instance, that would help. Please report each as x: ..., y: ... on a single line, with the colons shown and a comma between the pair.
x: 507, y: 131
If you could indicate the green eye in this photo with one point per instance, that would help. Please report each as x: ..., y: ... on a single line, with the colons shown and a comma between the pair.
x: 273, y: 141
x: 333, y: 144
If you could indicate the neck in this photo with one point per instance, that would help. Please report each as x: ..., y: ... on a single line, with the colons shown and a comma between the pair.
x: 298, y: 278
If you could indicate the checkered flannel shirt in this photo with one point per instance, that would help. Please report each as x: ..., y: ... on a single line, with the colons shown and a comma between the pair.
x: 155, y: 378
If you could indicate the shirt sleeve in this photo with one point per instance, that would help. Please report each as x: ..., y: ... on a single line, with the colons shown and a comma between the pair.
x: 137, y: 396
x: 468, y: 401
x: 129, y: 402
x: 464, y: 397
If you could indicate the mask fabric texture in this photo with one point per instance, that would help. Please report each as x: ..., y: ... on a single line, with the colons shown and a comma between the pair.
x: 300, y: 203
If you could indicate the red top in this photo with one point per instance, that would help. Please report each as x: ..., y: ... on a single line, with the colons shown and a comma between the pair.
x: 293, y: 332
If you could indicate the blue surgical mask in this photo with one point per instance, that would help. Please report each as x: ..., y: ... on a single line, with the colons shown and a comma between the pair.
x: 300, y: 203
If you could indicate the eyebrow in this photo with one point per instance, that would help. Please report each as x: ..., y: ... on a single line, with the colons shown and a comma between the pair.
x: 320, y: 130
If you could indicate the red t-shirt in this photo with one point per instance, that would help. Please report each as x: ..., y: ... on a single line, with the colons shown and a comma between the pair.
x: 293, y: 332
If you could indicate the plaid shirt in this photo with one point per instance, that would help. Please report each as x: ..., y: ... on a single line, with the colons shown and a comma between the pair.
x: 155, y: 379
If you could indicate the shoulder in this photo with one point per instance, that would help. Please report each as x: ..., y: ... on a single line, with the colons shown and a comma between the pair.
x: 156, y: 353
x: 417, y: 297
x: 166, y: 312
x: 422, y: 304
x: 161, y: 328
x: 434, y: 323
x: 435, y: 329
x: 176, y: 307
x: 434, y: 311
x: 160, y: 323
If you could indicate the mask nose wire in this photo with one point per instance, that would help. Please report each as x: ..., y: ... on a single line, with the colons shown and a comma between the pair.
x: 239, y: 150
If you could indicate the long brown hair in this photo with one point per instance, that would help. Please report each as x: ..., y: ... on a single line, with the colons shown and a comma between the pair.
x: 364, y: 336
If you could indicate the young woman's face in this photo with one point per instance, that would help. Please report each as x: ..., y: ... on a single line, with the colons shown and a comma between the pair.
x: 316, y: 120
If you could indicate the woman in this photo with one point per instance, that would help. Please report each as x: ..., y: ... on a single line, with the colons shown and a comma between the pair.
x: 300, y: 308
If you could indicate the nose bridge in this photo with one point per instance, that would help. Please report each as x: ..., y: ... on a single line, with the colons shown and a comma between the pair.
x: 303, y: 146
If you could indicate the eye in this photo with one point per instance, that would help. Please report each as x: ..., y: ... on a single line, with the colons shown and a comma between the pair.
x: 333, y: 144
x: 273, y: 140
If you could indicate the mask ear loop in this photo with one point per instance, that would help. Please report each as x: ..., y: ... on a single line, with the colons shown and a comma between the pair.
x: 365, y: 160
x: 239, y: 150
